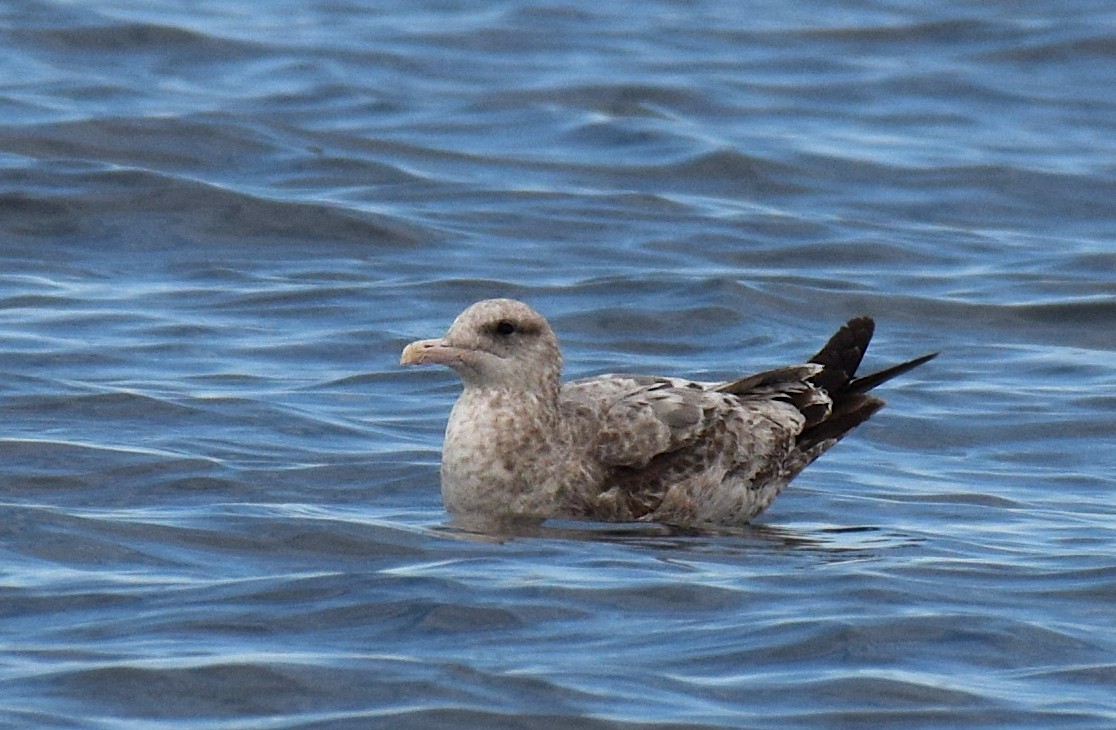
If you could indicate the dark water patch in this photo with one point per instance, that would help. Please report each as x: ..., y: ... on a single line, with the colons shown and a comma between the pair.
x: 1094, y: 47
x: 719, y: 172
x: 1102, y: 675
x: 1080, y: 312
x: 165, y: 144
x: 77, y: 541
x: 216, y: 690
x: 22, y: 303
x: 615, y: 102
x: 113, y: 405
x: 965, y: 498
x: 27, y: 215
x: 143, y: 211
x: 938, y: 34
x: 295, y: 296
x: 46, y: 456
x: 118, y: 38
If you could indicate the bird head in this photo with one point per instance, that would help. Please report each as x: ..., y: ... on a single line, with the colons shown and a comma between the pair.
x: 495, y: 344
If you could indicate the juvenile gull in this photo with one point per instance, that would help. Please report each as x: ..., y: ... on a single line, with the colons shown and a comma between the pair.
x: 522, y: 444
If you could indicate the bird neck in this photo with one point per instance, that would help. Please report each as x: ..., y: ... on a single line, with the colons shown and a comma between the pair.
x: 535, y: 406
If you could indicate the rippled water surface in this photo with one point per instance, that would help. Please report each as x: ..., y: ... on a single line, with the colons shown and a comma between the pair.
x: 221, y: 221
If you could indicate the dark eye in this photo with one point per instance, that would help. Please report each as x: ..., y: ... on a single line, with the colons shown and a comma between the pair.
x: 505, y: 328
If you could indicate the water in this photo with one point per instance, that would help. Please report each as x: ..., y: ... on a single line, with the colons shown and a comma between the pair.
x: 221, y: 222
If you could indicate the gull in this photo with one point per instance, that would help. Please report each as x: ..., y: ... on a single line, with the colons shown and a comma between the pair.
x: 522, y: 445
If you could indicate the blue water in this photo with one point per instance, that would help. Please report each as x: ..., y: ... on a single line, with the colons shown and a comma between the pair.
x: 220, y: 222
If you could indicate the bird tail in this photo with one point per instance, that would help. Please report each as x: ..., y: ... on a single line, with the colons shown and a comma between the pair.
x: 840, y: 358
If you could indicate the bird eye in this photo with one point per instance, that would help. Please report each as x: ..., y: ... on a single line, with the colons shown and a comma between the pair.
x: 505, y: 328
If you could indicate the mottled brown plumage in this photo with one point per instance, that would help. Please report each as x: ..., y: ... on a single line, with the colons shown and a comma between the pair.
x: 521, y: 444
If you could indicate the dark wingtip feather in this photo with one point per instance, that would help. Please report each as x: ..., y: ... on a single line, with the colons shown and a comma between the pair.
x: 863, y: 385
x: 841, y: 355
